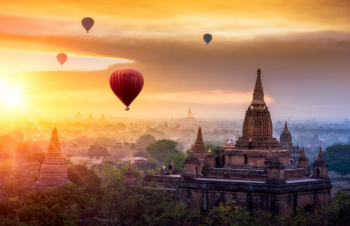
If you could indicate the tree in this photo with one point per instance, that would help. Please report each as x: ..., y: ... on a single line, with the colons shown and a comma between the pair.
x: 87, y: 178
x: 36, y: 157
x: 180, y: 146
x: 22, y: 149
x: 212, y: 148
x: 178, y: 160
x: 157, y: 133
x: 53, y: 206
x: 231, y: 214
x: 123, y: 205
x: 145, y: 140
x: 338, y: 159
x: 132, y: 146
x: 141, y: 153
x: 97, y: 151
x: 161, y: 149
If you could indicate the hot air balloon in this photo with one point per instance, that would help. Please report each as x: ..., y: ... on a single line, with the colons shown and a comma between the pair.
x: 61, y: 57
x: 87, y: 23
x: 126, y: 83
x: 207, y: 38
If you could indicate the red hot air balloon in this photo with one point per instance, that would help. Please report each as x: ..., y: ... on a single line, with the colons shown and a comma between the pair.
x: 87, y: 23
x: 61, y: 57
x: 126, y: 83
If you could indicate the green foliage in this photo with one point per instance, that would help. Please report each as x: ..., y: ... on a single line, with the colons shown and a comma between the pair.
x: 122, y: 205
x: 188, y: 151
x: 145, y: 140
x: 180, y: 146
x: 212, y: 147
x: 338, y: 159
x: 297, y: 218
x: 178, y: 160
x: 161, y: 149
x: 87, y: 178
x: 231, y: 214
x: 53, y: 206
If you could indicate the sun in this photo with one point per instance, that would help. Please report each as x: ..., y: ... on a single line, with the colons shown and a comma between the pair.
x: 10, y: 95
x: 12, y: 98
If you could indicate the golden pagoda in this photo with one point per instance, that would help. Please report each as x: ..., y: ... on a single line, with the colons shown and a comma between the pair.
x: 189, y: 116
x: 189, y: 113
x: 53, y: 171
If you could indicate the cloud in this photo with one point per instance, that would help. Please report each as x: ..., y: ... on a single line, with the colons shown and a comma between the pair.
x: 211, y: 97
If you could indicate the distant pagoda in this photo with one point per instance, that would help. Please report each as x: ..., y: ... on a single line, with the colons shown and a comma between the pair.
x: 102, y: 119
x: 90, y: 118
x: 53, y: 171
x: 189, y: 116
x: 78, y: 116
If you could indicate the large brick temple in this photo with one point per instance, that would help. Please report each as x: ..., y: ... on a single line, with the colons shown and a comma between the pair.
x: 255, y: 172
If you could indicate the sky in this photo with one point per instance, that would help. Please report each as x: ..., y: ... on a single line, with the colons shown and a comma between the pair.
x: 302, y: 48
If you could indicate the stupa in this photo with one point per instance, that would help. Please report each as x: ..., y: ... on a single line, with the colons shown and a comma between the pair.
x: 286, y: 144
x: 53, y: 171
x: 78, y: 116
x: 90, y: 119
x: 102, y: 119
x: 189, y: 116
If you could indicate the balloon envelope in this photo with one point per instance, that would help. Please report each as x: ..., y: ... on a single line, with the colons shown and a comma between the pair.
x: 126, y: 83
x: 61, y: 57
x: 207, y: 38
x: 87, y: 23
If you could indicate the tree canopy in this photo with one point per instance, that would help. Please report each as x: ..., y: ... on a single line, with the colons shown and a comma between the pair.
x: 97, y: 151
x: 178, y: 160
x: 161, y: 149
x: 145, y: 140
x: 338, y: 159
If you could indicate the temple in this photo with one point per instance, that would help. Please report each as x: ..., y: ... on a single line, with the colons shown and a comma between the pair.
x: 189, y: 116
x: 53, y: 171
x: 286, y: 144
x: 314, y: 142
x: 255, y: 172
x: 90, y: 119
x: 103, y: 119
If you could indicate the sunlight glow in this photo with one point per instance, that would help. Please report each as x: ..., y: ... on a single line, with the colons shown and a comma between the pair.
x: 10, y: 95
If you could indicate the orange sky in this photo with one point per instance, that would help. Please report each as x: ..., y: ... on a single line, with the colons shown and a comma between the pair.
x: 302, y: 46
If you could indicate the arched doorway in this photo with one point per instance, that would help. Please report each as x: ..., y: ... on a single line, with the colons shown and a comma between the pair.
x: 317, y: 173
x: 196, y: 172
x: 245, y: 160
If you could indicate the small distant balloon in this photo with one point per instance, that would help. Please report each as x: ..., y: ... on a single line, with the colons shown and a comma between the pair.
x: 207, y: 38
x: 61, y: 57
x: 87, y: 23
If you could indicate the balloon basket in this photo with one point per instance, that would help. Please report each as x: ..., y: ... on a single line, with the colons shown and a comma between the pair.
x: 127, y: 109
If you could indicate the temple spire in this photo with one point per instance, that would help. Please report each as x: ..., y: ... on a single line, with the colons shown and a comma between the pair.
x: 320, y: 155
x: 285, y: 126
x: 199, y: 144
x: 199, y: 135
x: 189, y: 113
x: 258, y: 95
x: 53, y: 171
